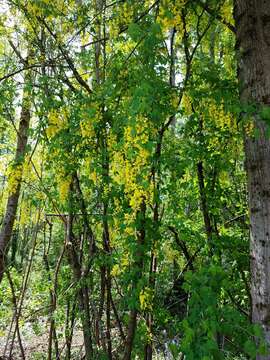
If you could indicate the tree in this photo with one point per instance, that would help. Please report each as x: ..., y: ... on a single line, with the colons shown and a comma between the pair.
x: 133, y: 203
x: 252, y: 20
x: 16, y: 175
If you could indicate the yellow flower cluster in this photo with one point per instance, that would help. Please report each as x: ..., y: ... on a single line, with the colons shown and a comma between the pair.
x: 90, y: 171
x: 24, y: 213
x: 117, y: 269
x: 186, y: 103
x: 170, y: 15
x: 137, y: 198
x: 126, y: 47
x: 171, y: 254
x: 34, y: 9
x: 125, y: 171
x: 249, y: 127
x: 63, y: 182
x: 124, y: 17
x: 222, y: 118
x: 28, y: 173
x: 14, y: 177
x: 93, y: 176
x: 146, y: 299
x: 87, y: 129
x: 57, y: 120
x: 227, y: 13
x: 87, y: 124
x: 175, y: 101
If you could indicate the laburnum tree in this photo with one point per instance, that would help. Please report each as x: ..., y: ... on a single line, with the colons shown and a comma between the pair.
x: 127, y: 128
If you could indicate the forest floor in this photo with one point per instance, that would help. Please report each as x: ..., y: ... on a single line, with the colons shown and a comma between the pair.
x: 36, y: 347
x: 35, y: 344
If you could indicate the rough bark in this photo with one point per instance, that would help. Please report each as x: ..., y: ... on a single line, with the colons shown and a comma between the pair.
x: 252, y: 20
x: 13, y: 198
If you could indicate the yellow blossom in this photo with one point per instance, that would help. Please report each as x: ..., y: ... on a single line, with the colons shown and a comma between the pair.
x: 146, y: 299
x: 57, y: 120
x: 63, y: 186
x: 14, y: 177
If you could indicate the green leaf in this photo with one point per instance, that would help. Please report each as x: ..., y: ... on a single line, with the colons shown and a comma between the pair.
x: 250, y: 348
x: 134, y: 31
x: 265, y: 113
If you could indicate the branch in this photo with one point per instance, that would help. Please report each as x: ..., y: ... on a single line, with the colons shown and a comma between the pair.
x: 182, y: 246
x: 189, y: 58
x: 216, y: 16
x: 70, y: 63
x: 49, y: 63
x: 235, y: 219
x: 237, y: 305
x: 17, y: 52
x: 126, y: 26
x: 7, y: 76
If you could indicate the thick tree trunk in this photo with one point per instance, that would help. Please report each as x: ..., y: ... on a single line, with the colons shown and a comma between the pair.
x: 13, y: 198
x: 252, y: 18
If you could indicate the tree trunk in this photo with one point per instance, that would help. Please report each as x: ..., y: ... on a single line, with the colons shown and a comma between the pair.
x: 138, y: 267
x: 13, y: 198
x: 252, y: 18
x: 83, y: 296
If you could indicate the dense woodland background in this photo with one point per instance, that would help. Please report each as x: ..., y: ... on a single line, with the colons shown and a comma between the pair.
x: 124, y: 216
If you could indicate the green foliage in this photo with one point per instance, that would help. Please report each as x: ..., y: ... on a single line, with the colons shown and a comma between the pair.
x: 212, y: 319
x: 133, y: 194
